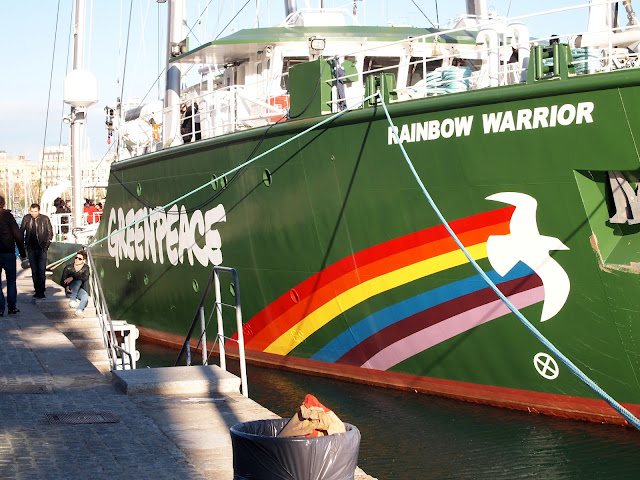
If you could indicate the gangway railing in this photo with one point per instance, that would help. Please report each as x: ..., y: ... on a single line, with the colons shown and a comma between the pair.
x: 122, y: 356
x: 199, y: 318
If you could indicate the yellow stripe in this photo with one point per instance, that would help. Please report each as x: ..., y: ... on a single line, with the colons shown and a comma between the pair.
x: 361, y: 292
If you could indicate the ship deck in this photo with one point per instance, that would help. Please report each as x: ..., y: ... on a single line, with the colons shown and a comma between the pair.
x: 148, y: 433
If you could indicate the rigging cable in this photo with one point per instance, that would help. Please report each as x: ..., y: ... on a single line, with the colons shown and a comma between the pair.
x: 425, y: 16
x: 46, y: 121
x: 149, y: 205
x: 198, y: 20
x: 626, y: 414
x: 234, y: 17
x: 67, y: 71
x: 224, y: 175
x: 124, y: 70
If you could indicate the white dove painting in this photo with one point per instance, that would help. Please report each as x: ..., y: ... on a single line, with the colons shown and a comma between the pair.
x: 526, y: 245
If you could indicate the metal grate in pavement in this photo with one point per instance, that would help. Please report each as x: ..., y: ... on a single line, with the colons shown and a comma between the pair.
x: 21, y: 389
x: 81, y: 418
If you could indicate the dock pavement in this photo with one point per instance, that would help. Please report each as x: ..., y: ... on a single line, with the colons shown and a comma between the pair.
x: 63, y: 416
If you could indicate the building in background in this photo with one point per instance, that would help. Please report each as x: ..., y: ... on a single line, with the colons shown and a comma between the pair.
x: 18, y: 182
x: 55, y: 163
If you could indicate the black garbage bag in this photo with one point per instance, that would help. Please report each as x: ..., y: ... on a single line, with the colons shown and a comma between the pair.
x: 258, y: 453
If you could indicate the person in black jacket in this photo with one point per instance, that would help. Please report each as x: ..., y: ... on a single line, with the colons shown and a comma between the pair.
x: 37, y: 232
x: 9, y: 238
x: 74, y: 278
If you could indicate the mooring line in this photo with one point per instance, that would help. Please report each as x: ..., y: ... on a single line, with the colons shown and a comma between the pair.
x: 233, y: 170
x: 626, y: 414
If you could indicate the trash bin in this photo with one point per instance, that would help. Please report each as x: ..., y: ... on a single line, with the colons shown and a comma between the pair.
x: 259, y: 454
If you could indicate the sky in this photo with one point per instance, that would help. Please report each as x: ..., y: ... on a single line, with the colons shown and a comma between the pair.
x: 31, y: 106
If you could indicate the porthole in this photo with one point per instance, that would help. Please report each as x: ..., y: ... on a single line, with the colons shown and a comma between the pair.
x: 266, y: 177
x: 195, y: 286
x: 139, y: 189
x: 294, y: 295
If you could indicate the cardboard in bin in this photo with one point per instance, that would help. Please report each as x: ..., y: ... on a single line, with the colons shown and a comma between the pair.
x: 313, y: 419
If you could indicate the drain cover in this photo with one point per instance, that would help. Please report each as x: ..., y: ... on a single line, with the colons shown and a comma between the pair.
x: 81, y: 418
x: 18, y: 389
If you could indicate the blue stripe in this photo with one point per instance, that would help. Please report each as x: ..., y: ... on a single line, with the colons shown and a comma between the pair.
x: 375, y: 322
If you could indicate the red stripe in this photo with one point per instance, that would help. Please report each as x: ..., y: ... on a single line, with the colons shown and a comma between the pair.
x: 310, y: 288
x: 578, y: 408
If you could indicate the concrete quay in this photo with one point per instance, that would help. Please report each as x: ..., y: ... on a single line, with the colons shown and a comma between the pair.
x: 64, y: 417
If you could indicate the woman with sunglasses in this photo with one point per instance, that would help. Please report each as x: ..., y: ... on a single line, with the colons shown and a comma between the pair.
x: 74, y: 278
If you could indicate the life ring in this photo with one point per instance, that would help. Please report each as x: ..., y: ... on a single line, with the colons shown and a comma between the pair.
x: 281, y: 101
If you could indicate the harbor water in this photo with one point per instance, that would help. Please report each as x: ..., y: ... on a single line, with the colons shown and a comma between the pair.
x: 406, y: 435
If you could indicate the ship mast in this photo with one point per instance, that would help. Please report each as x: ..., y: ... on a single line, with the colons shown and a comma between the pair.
x: 478, y: 8
x: 80, y: 91
x: 176, y: 45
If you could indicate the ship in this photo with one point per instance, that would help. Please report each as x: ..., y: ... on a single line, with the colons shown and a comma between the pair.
x: 301, y: 160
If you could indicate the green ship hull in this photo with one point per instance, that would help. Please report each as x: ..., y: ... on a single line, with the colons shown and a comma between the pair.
x: 345, y: 269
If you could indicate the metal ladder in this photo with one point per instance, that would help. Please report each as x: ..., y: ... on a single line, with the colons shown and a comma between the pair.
x: 214, y: 279
x: 122, y: 356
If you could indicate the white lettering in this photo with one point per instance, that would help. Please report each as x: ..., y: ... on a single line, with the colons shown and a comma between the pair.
x: 172, y: 232
x: 405, y: 136
x: 422, y: 131
x: 149, y: 237
x: 186, y: 240
x: 540, y: 115
x: 463, y: 125
x: 434, y: 129
x: 113, y: 240
x: 566, y: 114
x: 139, y: 238
x: 554, y: 115
x: 584, y: 112
x: 491, y: 122
x: 507, y: 122
x: 122, y: 249
x: 524, y: 119
x: 391, y: 137
x: 172, y: 235
x: 447, y: 128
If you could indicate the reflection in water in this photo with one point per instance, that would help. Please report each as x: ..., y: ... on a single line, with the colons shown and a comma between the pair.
x: 416, y: 436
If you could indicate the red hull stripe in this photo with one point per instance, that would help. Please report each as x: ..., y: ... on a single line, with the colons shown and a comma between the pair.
x: 578, y: 408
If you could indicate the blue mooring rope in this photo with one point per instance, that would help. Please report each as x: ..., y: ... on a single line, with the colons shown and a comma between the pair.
x: 233, y: 170
x: 626, y: 414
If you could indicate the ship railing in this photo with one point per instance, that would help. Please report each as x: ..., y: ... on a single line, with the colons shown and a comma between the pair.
x: 233, y: 108
x: 118, y: 336
x: 220, y: 339
x: 486, y: 63
x: 62, y: 226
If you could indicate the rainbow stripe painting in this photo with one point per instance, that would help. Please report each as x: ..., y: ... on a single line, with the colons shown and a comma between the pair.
x: 399, y: 331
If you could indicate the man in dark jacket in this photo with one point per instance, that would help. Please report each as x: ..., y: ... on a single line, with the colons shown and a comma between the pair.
x: 38, y: 234
x: 9, y: 238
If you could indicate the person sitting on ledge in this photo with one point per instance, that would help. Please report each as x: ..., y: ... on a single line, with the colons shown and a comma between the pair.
x: 74, y: 278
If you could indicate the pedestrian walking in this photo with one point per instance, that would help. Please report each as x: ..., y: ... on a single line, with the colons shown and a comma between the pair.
x: 9, y: 238
x: 37, y: 233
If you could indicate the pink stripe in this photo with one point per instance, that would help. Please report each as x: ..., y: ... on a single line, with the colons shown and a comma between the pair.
x: 446, y: 329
